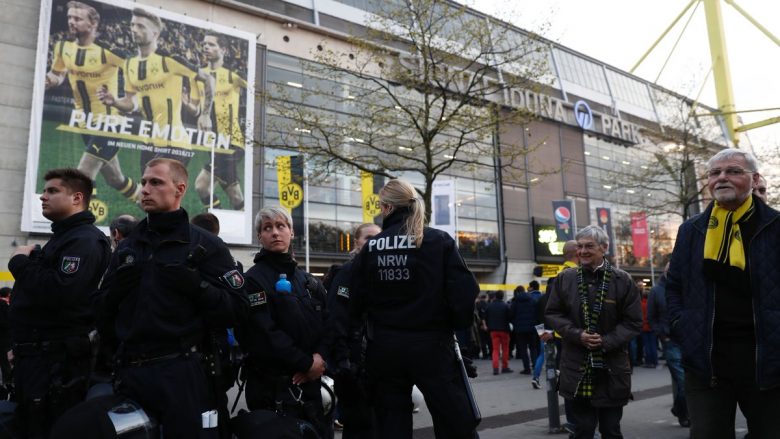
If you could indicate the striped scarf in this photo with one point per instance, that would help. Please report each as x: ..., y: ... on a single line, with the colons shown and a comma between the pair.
x: 590, y: 319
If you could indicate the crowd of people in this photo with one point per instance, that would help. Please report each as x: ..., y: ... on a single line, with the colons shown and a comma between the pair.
x: 154, y: 319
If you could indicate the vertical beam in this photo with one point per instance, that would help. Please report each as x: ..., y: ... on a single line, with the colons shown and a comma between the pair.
x: 720, y: 67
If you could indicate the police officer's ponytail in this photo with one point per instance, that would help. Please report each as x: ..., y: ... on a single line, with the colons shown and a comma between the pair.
x: 400, y: 194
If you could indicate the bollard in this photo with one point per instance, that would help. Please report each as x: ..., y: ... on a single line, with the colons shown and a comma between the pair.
x: 553, y: 415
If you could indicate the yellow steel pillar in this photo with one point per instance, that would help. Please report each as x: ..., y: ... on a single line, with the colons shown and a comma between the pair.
x: 720, y: 67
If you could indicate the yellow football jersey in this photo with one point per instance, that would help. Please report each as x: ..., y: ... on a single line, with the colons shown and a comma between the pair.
x: 89, y: 68
x: 225, y: 115
x: 157, y: 82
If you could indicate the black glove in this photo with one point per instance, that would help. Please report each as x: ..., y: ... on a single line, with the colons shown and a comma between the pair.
x: 471, y: 370
x: 125, y: 279
x: 182, y: 279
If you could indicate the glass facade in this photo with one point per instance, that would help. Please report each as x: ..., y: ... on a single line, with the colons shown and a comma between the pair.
x: 606, y: 163
x: 334, y: 198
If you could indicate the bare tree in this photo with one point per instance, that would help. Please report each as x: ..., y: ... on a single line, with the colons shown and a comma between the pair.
x: 423, y: 88
x: 672, y: 180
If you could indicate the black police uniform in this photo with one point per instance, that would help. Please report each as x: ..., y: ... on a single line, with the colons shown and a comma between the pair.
x: 283, y: 332
x: 168, y: 285
x: 414, y: 298
x: 50, y: 318
x: 347, y: 354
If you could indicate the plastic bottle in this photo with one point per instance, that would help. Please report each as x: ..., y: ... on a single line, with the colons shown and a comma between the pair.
x: 283, y: 285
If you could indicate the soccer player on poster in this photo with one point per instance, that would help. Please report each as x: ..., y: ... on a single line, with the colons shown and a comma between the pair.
x: 153, y: 87
x: 90, y: 67
x: 225, y: 118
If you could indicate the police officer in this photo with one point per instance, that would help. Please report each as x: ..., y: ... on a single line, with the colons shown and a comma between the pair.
x: 50, y: 314
x: 416, y: 290
x: 168, y: 283
x: 284, y: 335
x: 347, y: 351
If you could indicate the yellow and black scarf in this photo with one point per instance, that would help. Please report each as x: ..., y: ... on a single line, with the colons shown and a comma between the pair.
x: 723, y: 241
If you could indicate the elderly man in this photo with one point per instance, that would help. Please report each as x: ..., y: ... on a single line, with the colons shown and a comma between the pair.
x: 723, y: 293
x: 596, y: 309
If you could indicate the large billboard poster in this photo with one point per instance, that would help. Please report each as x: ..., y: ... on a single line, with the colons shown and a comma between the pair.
x: 121, y: 83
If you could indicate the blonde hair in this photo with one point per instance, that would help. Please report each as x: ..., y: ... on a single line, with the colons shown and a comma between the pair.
x: 400, y: 194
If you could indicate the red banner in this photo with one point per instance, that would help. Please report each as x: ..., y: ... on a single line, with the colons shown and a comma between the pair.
x: 639, y: 234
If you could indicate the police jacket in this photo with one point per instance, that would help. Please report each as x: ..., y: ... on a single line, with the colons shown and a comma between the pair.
x: 401, y: 286
x: 284, y: 330
x: 690, y: 295
x: 52, y: 289
x: 345, y: 333
x: 153, y: 319
x: 619, y: 322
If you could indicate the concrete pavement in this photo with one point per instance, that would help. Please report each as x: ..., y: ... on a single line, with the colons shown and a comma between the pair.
x: 511, y: 408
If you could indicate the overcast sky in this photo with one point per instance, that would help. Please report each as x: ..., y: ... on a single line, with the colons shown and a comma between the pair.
x: 618, y: 32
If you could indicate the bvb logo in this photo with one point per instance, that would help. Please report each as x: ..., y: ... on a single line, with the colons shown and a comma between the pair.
x: 292, y: 196
x: 372, y: 205
x: 99, y: 209
x: 713, y: 223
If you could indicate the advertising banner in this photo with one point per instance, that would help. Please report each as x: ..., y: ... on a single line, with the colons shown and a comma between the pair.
x: 639, y: 234
x: 563, y: 212
x: 121, y: 84
x: 289, y: 172
x: 370, y: 185
x: 604, y: 220
x: 443, y: 207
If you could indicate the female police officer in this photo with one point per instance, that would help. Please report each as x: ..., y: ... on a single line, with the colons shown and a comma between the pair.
x: 284, y: 335
x: 415, y: 290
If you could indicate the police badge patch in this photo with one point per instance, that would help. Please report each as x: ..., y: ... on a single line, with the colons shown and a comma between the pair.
x: 234, y: 279
x: 257, y: 299
x: 343, y: 292
x: 70, y: 264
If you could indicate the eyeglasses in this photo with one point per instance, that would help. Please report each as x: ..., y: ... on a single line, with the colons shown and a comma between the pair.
x: 730, y: 172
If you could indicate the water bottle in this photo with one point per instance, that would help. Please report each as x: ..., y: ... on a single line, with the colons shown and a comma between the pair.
x: 283, y: 285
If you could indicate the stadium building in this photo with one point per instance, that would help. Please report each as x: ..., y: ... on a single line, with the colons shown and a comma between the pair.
x: 593, y: 125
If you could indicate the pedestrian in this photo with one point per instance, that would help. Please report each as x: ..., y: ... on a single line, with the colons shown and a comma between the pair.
x: 168, y: 286
x: 658, y: 316
x: 484, y: 336
x: 723, y: 293
x: 523, y: 312
x: 760, y: 190
x: 649, y: 339
x: 415, y: 290
x: 497, y: 318
x: 120, y: 228
x: 5, y: 342
x: 596, y: 310
x: 347, y: 354
x: 50, y: 314
x: 284, y: 338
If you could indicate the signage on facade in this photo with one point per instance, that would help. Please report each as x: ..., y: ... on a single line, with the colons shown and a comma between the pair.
x: 102, y: 108
x: 443, y: 206
x: 543, y: 105
x: 604, y: 220
x: 547, y: 247
x: 563, y: 212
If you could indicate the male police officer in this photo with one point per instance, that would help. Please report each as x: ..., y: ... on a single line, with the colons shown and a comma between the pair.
x: 168, y: 283
x: 50, y: 312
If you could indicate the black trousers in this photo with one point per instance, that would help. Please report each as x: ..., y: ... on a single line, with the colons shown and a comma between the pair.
x: 712, y: 410
x: 586, y: 418
x: 527, y: 341
x: 397, y: 360
x: 175, y: 392
x: 302, y: 402
x: 49, y: 383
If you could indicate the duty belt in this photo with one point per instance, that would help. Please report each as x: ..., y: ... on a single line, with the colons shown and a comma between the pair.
x: 39, y: 347
x: 143, y: 359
